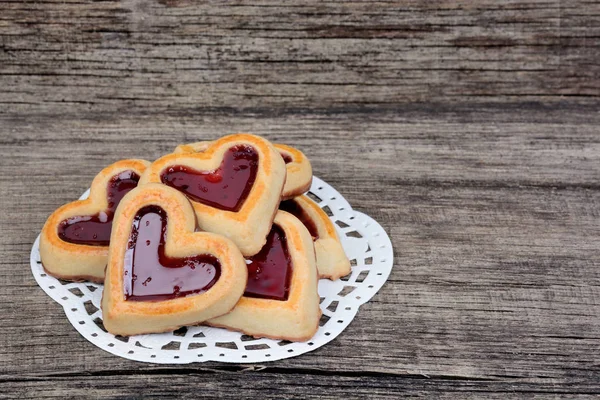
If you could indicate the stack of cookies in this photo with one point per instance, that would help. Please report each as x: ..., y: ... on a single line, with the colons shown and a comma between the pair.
x: 217, y: 233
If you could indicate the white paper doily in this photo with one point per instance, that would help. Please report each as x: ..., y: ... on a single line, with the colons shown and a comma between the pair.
x: 365, y: 242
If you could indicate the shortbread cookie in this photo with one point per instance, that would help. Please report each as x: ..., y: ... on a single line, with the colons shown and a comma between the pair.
x: 332, y: 262
x: 234, y: 185
x: 299, y: 170
x: 281, y: 300
x: 196, y: 147
x: 74, y: 241
x: 162, y: 275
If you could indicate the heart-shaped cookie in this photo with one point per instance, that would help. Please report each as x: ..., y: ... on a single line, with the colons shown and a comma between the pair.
x: 299, y: 170
x: 161, y: 274
x: 234, y: 185
x: 281, y: 299
x: 332, y: 261
x: 75, y: 238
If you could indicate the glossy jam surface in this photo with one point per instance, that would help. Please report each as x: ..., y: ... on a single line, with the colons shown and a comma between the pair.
x: 94, y: 230
x: 287, y: 158
x: 296, y: 210
x: 270, y: 271
x: 226, y: 187
x: 150, y: 275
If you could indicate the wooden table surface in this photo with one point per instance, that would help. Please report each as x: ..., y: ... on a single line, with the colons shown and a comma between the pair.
x: 468, y: 129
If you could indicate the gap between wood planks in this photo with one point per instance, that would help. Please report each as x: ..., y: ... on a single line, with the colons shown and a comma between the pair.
x: 249, y: 368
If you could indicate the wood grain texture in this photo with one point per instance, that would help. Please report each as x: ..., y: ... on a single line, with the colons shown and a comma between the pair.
x: 467, y: 129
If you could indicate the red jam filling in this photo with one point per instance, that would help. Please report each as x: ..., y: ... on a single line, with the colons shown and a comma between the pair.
x: 150, y: 275
x: 270, y: 271
x: 226, y: 187
x: 94, y: 230
x: 297, y: 211
x: 287, y: 158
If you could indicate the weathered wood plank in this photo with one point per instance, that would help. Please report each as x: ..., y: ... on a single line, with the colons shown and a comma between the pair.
x: 280, y: 384
x: 87, y: 57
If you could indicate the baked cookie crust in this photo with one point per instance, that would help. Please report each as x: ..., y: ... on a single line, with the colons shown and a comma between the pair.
x: 332, y: 261
x: 129, y: 317
x: 299, y: 170
x: 249, y: 226
x: 295, y: 319
x: 81, y: 262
